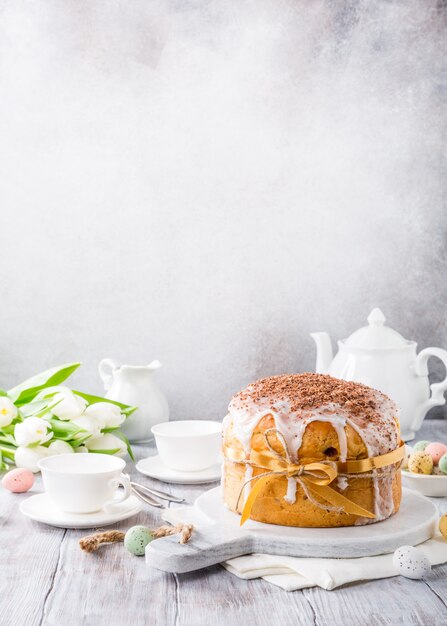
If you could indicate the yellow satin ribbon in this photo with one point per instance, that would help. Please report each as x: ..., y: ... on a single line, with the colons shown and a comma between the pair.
x: 314, y: 477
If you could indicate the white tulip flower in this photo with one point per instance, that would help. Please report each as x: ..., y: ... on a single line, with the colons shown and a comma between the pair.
x: 32, y: 430
x: 69, y: 406
x: 29, y: 457
x: 108, y: 414
x: 59, y: 447
x: 81, y: 449
x: 88, y: 424
x: 8, y: 411
x: 107, y: 442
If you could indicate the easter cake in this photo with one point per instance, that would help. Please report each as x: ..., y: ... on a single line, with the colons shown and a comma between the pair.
x: 309, y: 450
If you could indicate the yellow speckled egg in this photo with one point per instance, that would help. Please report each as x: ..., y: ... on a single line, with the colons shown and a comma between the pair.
x: 443, y: 526
x: 420, y: 463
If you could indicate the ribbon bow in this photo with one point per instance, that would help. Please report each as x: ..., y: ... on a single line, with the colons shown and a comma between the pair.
x: 314, y: 478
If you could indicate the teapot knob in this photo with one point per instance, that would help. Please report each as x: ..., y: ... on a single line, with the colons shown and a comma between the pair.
x: 376, y: 318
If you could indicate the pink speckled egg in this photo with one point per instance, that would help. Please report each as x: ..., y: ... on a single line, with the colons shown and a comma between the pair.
x: 436, y: 450
x: 18, y: 480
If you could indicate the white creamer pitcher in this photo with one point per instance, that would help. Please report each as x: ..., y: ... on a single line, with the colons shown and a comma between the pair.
x: 135, y: 385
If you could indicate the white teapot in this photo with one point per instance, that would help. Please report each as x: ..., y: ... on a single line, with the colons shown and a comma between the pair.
x: 380, y: 357
x: 135, y: 385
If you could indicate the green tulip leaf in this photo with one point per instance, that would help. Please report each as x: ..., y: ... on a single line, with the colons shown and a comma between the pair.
x: 3, y: 465
x: 8, y: 439
x: 125, y: 408
x: 33, y: 408
x: 7, y: 451
x: 123, y: 437
x: 28, y: 390
x: 62, y: 429
x: 76, y: 443
x: 47, y: 409
x: 9, y: 430
x: 34, y: 444
x: 109, y: 451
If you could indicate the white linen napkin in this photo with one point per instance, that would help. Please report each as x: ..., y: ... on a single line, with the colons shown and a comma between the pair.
x: 292, y: 573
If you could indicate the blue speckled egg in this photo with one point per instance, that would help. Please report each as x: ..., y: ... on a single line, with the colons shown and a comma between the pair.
x: 137, y: 538
x: 420, y: 446
x: 443, y: 463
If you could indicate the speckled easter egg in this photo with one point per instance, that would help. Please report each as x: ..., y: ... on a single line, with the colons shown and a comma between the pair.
x: 136, y: 539
x: 421, y: 445
x: 411, y: 562
x: 443, y: 526
x: 18, y: 480
x: 436, y: 450
x: 442, y: 464
x: 420, y: 463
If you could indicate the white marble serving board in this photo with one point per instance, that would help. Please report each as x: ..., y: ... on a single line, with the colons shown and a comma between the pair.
x: 224, y: 539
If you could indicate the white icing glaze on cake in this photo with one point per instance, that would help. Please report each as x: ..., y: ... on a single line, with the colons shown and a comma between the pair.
x: 291, y: 490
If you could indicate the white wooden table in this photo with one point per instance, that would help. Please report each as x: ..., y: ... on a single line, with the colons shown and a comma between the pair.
x: 45, y: 579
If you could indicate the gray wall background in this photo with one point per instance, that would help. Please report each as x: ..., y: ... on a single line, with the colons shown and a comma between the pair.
x: 207, y: 182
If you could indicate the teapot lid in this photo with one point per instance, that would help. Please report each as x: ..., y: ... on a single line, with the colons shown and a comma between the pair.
x: 376, y: 334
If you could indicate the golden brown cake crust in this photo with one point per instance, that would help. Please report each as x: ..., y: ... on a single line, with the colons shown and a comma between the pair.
x: 320, y: 418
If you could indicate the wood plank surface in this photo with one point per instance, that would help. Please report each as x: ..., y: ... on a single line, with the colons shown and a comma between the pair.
x: 46, y: 580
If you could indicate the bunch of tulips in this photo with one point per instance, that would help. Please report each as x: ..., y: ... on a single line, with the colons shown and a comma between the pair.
x: 42, y: 417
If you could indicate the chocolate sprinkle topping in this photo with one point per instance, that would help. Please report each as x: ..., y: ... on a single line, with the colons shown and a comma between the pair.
x: 310, y: 391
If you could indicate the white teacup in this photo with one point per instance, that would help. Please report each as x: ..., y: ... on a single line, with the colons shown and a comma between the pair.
x: 84, y: 483
x: 188, y: 445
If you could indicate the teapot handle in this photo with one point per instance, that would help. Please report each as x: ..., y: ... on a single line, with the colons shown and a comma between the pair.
x: 106, y: 369
x: 437, y: 389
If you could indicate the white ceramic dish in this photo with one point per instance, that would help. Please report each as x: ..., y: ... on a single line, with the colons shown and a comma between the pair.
x: 432, y: 485
x: 188, y: 445
x: 41, y: 509
x: 154, y: 467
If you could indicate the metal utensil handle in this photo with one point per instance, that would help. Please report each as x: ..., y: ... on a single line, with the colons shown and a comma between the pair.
x: 165, y: 496
x: 160, y: 494
x: 147, y: 499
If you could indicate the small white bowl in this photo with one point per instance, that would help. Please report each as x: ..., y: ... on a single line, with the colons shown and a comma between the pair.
x: 432, y: 485
x: 188, y: 445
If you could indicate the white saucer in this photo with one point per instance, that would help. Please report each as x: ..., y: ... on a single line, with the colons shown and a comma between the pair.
x: 155, y: 468
x: 40, y: 509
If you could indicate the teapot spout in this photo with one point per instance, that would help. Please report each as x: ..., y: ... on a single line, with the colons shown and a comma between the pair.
x: 324, y: 352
